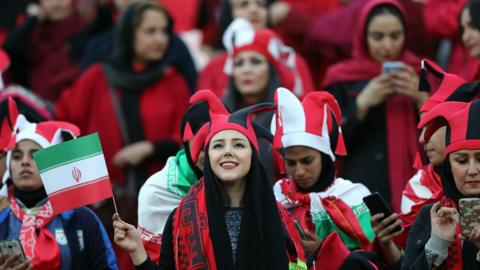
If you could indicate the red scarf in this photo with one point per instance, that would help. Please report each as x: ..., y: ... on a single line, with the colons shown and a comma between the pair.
x: 455, y: 259
x: 39, y: 245
x: 341, y: 214
x: 192, y: 244
x: 400, y: 109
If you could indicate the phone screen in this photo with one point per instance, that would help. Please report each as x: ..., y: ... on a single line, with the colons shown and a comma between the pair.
x: 376, y: 204
x: 300, y: 230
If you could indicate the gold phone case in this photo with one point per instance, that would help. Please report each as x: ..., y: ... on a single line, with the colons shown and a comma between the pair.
x: 469, y: 215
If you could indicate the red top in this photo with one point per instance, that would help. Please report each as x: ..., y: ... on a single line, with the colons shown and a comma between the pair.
x: 88, y: 104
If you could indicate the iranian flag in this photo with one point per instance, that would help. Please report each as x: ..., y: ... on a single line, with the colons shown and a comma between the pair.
x: 74, y: 173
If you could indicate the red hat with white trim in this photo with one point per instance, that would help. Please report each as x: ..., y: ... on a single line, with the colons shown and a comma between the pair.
x: 310, y: 123
x: 444, y: 86
x: 45, y: 134
x: 221, y: 119
x: 461, y: 119
x: 241, y: 36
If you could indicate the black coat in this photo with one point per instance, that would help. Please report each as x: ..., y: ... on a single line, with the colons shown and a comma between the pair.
x: 414, y: 258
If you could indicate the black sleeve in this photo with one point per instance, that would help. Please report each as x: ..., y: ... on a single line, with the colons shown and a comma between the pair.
x: 99, y: 251
x: 164, y: 149
x: 414, y: 258
x: 167, y: 257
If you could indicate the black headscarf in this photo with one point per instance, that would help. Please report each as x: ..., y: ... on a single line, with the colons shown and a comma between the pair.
x: 196, y: 116
x: 262, y: 240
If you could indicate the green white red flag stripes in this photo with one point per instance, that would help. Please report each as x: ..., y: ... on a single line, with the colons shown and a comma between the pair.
x: 74, y: 173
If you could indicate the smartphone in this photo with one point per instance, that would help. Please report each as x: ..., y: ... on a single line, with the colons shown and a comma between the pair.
x: 392, y: 66
x: 376, y: 204
x: 12, y: 247
x: 300, y: 230
x: 469, y: 214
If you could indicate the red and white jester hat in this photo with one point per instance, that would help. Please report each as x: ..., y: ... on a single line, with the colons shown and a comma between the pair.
x: 45, y: 134
x: 221, y: 119
x: 309, y: 123
x: 444, y: 86
x: 462, y: 121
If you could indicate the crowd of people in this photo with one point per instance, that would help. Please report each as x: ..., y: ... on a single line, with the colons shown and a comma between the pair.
x: 246, y: 134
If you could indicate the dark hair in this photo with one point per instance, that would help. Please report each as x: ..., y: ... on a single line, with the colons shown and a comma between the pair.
x: 383, y: 9
x: 473, y: 7
x: 326, y: 178
x: 129, y: 21
x: 272, y: 84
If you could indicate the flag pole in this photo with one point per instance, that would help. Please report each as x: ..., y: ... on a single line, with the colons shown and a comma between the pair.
x: 114, y: 203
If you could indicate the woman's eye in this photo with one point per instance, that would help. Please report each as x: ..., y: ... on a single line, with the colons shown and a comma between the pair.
x: 16, y: 156
x: 377, y: 36
x: 239, y: 145
x: 238, y: 63
x: 462, y: 160
x: 217, y: 146
x: 256, y: 61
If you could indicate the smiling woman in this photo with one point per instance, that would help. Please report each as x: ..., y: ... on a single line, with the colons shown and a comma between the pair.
x: 231, y: 212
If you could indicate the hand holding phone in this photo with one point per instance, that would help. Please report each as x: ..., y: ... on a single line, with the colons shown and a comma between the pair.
x: 376, y: 204
x: 300, y: 230
x: 11, y: 247
x: 392, y: 66
x: 469, y: 215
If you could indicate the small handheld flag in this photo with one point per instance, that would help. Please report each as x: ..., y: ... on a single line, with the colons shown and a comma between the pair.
x: 74, y: 173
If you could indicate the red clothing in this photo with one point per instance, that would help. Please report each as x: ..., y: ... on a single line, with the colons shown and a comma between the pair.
x: 399, y: 109
x: 88, y: 104
x: 212, y: 76
x: 441, y: 17
x: 51, y: 68
x: 184, y: 13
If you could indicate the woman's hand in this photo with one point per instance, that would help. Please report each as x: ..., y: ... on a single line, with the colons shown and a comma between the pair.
x: 374, y: 93
x: 474, y: 236
x: 133, y: 154
x: 384, y: 229
x: 311, y: 243
x: 406, y: 82
x: 127, y: 237
x: 444, y: 221
x: 9, y: 263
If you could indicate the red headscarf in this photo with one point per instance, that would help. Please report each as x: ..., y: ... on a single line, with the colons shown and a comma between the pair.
x: 362, y: 66
x: 400, y: 114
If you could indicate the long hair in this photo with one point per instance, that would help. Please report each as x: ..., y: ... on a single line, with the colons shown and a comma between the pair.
x: 124, y: 35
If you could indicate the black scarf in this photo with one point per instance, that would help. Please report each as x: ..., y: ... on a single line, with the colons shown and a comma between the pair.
x: 262, y: 240
x: 30, y: 198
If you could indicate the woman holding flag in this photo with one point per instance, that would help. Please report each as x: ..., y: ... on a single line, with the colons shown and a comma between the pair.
x: 73, y: 239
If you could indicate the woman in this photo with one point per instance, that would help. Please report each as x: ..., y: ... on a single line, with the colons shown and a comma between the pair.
x: 256, y: 12
x: 379, y: 107
x: 435, y: 240
x: 135, y: 101
x: 425, y: 186
x: 243, y: 228
x: 73, y: 239
x: 311, y: 135
x: 255, y: 68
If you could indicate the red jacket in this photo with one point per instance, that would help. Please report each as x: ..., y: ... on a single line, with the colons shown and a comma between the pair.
x: 88, y: 104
